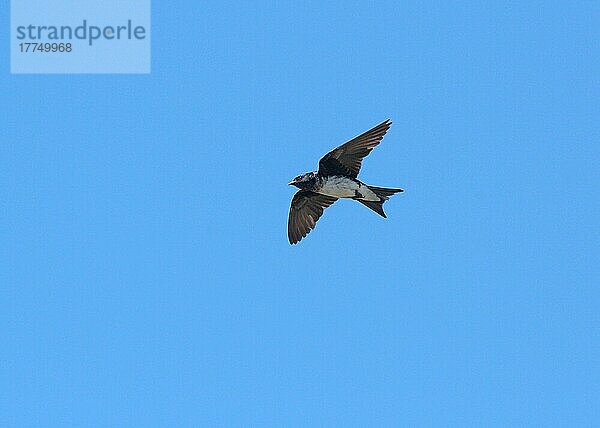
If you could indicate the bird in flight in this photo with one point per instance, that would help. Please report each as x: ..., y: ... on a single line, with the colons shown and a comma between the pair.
x: 335, y: 179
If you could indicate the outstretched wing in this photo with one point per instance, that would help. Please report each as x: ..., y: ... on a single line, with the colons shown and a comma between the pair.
x: 307, y: 207
x: 347, y: 158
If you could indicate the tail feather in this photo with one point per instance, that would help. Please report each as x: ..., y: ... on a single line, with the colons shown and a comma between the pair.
x: 384, y: 194
x: 375, y: 206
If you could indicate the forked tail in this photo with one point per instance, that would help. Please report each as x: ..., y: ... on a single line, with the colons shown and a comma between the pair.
x: 384, y: 194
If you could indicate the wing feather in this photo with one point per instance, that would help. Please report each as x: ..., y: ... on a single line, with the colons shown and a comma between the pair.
x: 347, y: 158
x: 306, y: 209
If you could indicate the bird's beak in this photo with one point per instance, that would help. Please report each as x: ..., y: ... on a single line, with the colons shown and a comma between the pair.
x: 291, y: 183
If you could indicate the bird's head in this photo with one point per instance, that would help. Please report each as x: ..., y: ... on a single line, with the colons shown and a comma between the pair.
x: 303, y: 181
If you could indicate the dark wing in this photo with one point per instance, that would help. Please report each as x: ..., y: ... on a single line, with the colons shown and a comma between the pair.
x: 305, y: 210
x: 347, y: 158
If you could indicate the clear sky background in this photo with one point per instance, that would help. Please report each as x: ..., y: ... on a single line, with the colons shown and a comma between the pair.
x: 146, y: 278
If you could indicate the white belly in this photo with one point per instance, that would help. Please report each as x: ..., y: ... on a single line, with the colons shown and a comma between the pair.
x: 343, y: 187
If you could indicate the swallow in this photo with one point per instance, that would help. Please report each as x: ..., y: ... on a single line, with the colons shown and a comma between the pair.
x: 336, y: 178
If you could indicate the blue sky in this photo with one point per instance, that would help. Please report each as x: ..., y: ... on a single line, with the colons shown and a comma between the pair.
x: 146, y: 275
